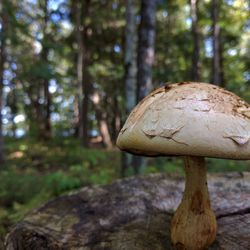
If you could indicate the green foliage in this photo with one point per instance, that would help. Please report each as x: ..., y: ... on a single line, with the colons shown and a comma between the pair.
x: 105, y: 49
x: 220, y: 165
x: 36, y: 172
x: 168, y: 165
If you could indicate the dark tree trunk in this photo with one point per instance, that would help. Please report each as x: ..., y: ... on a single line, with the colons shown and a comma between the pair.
x: 146, y: 50
x: 76, y: 116
x: 130, y: 71
x: 133, y: 213
x: 47, y: 118
x: 217, y: 51
x: 2, y: 60
x: 80, y: 54
x: 85, y: 107
x: 115, y: 122
x: 82, y: 11
x: 195, y: 71
x: 47, y: 96
x: 38, y: 114
x: 221, y: 49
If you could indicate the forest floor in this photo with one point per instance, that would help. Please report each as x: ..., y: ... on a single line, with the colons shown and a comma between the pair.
x: 36, y: 172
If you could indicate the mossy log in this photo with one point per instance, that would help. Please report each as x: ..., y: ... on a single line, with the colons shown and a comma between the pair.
x: 133, y: 214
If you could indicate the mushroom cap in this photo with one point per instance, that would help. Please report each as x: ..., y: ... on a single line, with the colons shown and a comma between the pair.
x: 188, y: 118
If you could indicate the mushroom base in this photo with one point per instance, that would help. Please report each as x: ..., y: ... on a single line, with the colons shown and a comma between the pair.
x: 194, y: 225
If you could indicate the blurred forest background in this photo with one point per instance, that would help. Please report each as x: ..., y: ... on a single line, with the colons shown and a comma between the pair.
x: 71, y: 71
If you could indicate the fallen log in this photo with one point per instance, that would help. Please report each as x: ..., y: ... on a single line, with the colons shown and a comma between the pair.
x: 134, y: 214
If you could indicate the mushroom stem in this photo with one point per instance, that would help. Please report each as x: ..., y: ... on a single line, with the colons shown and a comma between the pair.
x: 194, y: 224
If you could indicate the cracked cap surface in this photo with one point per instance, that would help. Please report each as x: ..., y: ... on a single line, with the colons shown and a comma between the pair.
x: 188, y: 118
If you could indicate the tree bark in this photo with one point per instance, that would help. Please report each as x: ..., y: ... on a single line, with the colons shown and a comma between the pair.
x: 2, y: 61
x: 47, y: 96
x: 195, y: 71
x: 145, y: 59
x: 133, y: 213
x: 80, y: 55
x: 115, y: 124
x: 82, y: 11
x: 130, y: 56
x: 146, y: 48
x: 217, y: 71
x: 130, y: 71
x: 221, y: 51
x: 85, y: 107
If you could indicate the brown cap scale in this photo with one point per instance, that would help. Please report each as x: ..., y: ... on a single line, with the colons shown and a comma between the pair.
x: 194, y: 120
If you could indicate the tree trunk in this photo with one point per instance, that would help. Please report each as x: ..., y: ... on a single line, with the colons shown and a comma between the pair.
x: 130, y: 56
x: 38, y: 114
x: 130, y: 72
x: 80, y: 53
x: 2, y: 60
x: 82, y: 11
x: 222, y: 78
x: 146, y: 50
x: 195, y: 71
x: 47, y: 116
x: 76, y: 116
x: 115, y: 124
x: 85, y: 107
x: 101, y: 116
x: 216, y: 33
x: 47, y: 96
x: 133, y: 213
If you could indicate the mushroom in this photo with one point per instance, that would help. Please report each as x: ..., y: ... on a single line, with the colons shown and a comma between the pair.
x: 193, y: 120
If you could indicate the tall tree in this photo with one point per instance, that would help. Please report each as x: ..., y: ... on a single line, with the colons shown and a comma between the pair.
x: 217, y: 51
x: 45, y: 80
x: 146, y: 48
x: 82, y: 11
x: 130, y: 69
x: 3, y: 13
x: 195, y: 70
x: 145, y: 59
x: 130, y: 56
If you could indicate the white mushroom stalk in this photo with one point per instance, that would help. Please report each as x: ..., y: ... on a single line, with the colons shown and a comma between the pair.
x: 194, y: 120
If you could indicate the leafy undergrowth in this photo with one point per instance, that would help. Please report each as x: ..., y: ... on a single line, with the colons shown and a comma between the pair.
x: 36, y: 172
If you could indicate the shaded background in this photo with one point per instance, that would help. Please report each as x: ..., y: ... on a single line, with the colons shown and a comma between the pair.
x: 71, y: 71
